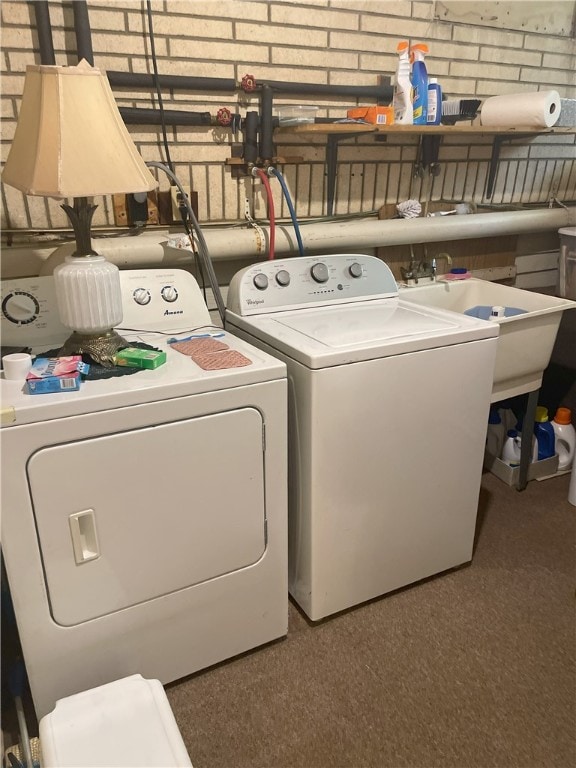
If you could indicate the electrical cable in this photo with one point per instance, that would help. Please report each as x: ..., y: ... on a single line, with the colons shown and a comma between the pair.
x: 157, y: 84
x: 271, y: 218
x: 288, y: 199
x: 203, y: 248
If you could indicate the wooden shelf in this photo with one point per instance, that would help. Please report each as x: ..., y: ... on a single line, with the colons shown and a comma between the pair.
x: 430, y: 139
x: 361, y: 128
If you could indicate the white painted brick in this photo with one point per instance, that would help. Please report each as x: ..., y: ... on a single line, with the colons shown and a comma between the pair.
x: 303, y: 37
x: 458, y: 86
x: 284, y: 74
x: 552, y: 43
x: 550, y: 151
x: 382, y: 7
x: 314, y: 17
x: 510, y: 56
x: 453, y: 51
x: 18, y: 38
x: 485, y: 88
x: 13, y: 85
x: 7, y: 112
x: 405, y: 27
x: 378, y: 63
x: 423, y: 10
x: 215, y: 50
x: 559, y: 61
x: 198, y: 28
x: 549, y: 77
x: 356, y: 41
x: 114, y: 21
x: 313, y: 58
x: 126, y: 44
x: 484, y: 70
x: 486, y: 36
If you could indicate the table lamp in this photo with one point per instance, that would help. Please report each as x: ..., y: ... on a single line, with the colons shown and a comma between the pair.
x: 71, y: 142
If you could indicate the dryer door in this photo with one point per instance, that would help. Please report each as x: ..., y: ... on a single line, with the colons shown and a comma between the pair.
x: 127, y: 517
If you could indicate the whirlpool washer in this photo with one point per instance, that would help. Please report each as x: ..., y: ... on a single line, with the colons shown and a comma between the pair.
x: 388, y: 406
x: 143, y: 517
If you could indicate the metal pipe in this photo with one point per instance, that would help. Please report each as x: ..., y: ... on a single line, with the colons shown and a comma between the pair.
x: 251, y: 137
x: 150, y: 249
x: 143, y: 116
x: 82, y: 30
x: 136, y: 80
x: 266, y: 131
x: 44, y: 29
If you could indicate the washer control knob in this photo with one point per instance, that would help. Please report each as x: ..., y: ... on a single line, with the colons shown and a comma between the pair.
x: 355, y: 269
x: 319, y: 272
x: 169, y: 293
x: 142, y: 296
x: 283, y: 278
x: 260, y: 281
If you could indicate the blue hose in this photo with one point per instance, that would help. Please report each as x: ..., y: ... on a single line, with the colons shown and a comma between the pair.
x: 290, y: 208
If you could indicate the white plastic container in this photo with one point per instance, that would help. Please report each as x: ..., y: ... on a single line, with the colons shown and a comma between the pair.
x: 296, y: 115
x: 565, y: 438
x: 402, y: 101
x: 124, y: 724
x: 512, y: 449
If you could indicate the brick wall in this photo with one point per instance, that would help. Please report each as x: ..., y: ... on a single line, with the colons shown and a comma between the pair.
x: 317, y: 41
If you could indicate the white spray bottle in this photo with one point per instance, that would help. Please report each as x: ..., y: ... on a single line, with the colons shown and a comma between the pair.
x: 403, y: 88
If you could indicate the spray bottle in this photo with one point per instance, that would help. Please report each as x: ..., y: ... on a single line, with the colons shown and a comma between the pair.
x: 419, y: 84
x: 402, y: 101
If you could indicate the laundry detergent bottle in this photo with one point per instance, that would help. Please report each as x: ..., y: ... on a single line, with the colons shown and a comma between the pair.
x: 402, y: 101
x: 565, y: 438
x: 544, y: 432
x: 419, y: 84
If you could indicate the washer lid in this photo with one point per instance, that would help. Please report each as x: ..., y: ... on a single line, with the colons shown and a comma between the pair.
x: 321, y: 337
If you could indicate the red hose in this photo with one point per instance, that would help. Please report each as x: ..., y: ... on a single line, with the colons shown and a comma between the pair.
x: 271, y: 217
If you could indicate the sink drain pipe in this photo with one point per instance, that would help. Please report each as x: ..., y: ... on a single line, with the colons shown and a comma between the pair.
x: 150, y: 248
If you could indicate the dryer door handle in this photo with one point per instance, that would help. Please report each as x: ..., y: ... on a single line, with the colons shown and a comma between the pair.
x: 84, y: 537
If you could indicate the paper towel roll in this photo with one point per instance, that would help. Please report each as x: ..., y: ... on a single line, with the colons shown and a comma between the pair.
x: 537, y: 109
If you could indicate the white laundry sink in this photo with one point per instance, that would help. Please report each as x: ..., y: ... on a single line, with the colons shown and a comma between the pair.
x: 526, y: 340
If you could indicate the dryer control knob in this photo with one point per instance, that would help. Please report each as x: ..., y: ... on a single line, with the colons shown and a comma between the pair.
x: 283, y: 278
x: 355, y: 269
x: 260, y: 281
x: 169, y: 293
x: 142, y: 296
x: 319, y: 272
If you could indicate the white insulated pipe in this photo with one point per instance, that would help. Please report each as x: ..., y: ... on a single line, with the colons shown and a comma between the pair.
x: 151, y: 249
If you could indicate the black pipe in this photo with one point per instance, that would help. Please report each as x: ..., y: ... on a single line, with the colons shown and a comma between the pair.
x: 138, y: 80
x: 382, y: 92
x: 266, y: 133
x: 44, y: 29
x: 251, y: 137
x: 379, y: 92
x: 142, y: 116
x: 83, y: 33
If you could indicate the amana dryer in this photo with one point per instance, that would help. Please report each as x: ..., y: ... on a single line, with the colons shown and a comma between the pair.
x: 144, y: 518
x: 388, y: 406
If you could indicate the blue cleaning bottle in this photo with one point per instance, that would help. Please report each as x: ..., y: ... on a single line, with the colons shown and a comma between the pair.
x: 544, y: 432
x: 434, y: 102
x: 419, y: 84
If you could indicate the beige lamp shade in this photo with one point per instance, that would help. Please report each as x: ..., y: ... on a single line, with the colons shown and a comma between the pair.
x: 70, y: 140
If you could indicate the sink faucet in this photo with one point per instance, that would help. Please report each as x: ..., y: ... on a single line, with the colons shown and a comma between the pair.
x: 441, y: 256
x: 417, y: 270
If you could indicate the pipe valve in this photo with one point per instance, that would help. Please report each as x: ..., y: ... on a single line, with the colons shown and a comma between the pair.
x: 224, y: 116
x: 248, y: 83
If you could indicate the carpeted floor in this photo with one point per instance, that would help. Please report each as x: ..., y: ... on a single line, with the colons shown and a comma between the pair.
x: 471, y: 669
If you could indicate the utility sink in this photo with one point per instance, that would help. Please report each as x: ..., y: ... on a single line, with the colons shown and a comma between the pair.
x: 525, y: 341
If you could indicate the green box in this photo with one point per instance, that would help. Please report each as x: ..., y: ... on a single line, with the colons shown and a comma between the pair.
x: 140, y: 358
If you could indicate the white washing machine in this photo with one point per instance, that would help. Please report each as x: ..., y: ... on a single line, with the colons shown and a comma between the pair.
x: 388, y: 407
x: 144, y: 518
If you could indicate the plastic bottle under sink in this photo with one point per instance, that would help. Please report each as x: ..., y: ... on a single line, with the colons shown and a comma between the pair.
x: 565, y: 438
x: 544, y: 432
